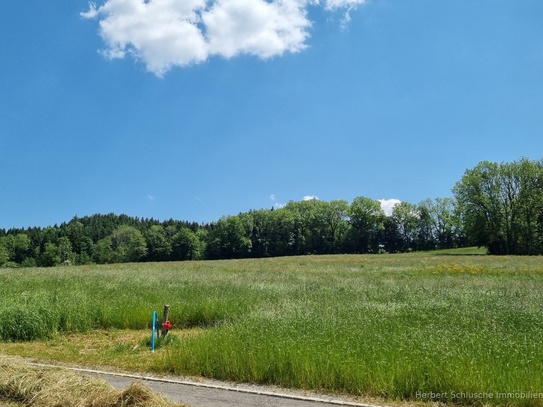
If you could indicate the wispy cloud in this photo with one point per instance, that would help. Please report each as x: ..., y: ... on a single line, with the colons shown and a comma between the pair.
x: 202, y: 202
x: 335, y: 4
x: 167, y: 33
x: 276, y: 204
x: 92, y: 12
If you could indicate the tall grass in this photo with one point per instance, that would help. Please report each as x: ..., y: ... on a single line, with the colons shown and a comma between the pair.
x: 401, y: 327
x: 76, y: 299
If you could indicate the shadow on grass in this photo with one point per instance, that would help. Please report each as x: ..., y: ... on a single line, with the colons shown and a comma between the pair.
x: 462, y: 251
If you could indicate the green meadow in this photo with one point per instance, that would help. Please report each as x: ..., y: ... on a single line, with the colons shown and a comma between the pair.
x: 441, y: 326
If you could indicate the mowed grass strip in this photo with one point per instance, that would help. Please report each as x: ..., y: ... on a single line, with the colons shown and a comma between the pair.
x: 462, y: 329
x: 43, y: 387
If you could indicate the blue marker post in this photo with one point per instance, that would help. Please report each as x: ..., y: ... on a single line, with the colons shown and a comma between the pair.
x: 153, y: 330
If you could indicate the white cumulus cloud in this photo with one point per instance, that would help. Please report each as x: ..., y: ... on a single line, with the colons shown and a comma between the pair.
x: 311, y: 198
x: 161, y: 33
x: 167, y: 33
x: 387, y: 205
x: 255, y: 27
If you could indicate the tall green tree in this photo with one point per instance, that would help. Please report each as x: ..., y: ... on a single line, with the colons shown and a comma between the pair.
x: 18, y: 247
x: 366, y: 218
x: 334, y: 216
x: 187, y: 245
x: 50, y: 255
x: 128, y: 244
x: 302, y: 213
x: 391, y: 239
x: 406, y: 218
x: 65, y: 252
x: 4, y: 254
x: 261, y: 232
x: 228, y: 239
x: 529, y: 223
x: 426, y: 226
x: 448, y: 229
x: 500, y: 206
x: 478, y: 195
x: 103, y: 251
x: 283, y: 237
x: 86, y: 250
x: 159, y: 246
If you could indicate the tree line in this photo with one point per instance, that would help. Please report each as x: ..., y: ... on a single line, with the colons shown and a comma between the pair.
x: 298, y: 228
x: 499, y: 206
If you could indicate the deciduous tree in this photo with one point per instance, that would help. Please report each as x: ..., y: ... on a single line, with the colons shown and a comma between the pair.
x: 367, y: 224
x: 501, y: 206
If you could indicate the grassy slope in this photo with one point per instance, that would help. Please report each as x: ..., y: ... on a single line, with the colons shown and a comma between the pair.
x: 384, y: 325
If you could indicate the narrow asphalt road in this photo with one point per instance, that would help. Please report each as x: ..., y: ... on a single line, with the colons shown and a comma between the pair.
x: 196, y: 396
x: 219, y: 394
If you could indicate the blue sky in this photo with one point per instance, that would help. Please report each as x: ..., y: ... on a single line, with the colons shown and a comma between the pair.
x: 197, y: 109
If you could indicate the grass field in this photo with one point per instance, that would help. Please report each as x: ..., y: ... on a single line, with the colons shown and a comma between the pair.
x: 444, y: 326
